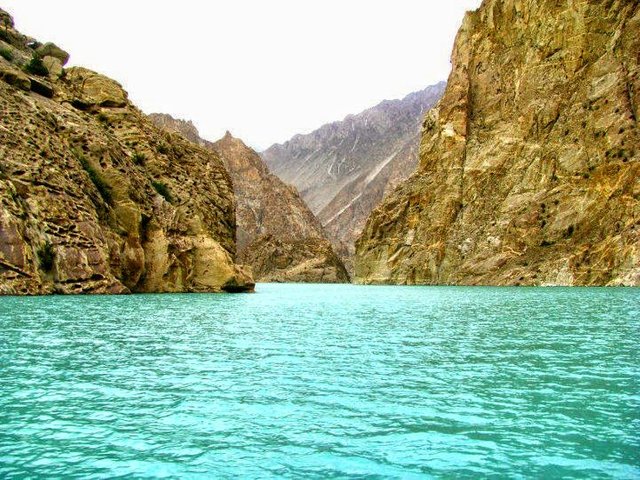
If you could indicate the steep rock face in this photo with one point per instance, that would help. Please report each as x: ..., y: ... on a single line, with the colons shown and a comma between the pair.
x: 186, y: 128
x: 529, y: 166
x: 94, y: 198
x: 278, y: 236
x: 344, y: 169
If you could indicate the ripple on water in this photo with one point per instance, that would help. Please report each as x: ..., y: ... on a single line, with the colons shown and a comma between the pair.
x: 323, y: 380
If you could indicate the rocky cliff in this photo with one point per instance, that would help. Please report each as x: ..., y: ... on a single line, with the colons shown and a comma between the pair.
x: 94, y: 198
x: 278, y: 236
x: 344, y: 169
x: 530, y: 165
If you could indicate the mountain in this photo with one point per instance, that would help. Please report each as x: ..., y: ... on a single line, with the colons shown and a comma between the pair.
x: 278, y: 236
x: 94, y: 198
x: 344, y: 169
x: 529, y: 167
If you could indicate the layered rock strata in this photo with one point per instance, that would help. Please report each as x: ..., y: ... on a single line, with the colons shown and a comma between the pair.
x: 94, y: 198
x: 278, y: 236
x: 530, y: 165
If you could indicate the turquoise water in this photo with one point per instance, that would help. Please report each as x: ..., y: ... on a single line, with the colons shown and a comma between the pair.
x: 321, y: 381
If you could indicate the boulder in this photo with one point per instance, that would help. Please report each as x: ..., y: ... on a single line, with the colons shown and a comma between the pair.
x: 52, y: 50
x: 15, y: 77
x: 41, y: 87
x: 89, y: 89
x: 54, y: 65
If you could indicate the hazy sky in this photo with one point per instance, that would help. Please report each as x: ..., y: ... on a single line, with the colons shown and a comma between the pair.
x: 265, y: 70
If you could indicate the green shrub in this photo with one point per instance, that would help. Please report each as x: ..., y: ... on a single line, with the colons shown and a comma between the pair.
x: 163, y: 149
x: 6, y: 54
x: 36, y: 67
x: 46, y: 256
x: 139, y: 158
x: 103, y: 118
x: 103, y: 188
x: 163, y: 190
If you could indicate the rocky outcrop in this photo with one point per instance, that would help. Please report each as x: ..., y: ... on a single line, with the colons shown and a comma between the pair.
x: 278, y: 236
x: 94, y: 198
x: 530, y: 165
x: 186, y: 128
x: 344, y: 169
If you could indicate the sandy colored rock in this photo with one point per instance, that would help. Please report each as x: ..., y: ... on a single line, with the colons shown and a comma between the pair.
x: 278, y: 236
x: 52, y: 50
x: 529, y: 166
x: 344, y: 169
x: 53, y: 65
x: 86, y: 89
x: 94, y: 198
x: 14, y: 76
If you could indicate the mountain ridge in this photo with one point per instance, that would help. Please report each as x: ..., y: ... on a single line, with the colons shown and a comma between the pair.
x: 344, y: 168
x: 277, y: 235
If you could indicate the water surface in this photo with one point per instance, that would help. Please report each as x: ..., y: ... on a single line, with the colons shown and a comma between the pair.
x: 323, y: 381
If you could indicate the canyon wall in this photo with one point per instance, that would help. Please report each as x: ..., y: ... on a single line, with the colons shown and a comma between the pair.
x: 344, y: 169
x: 94, y: 198
x: 530, y: 164
x: 277, y: 235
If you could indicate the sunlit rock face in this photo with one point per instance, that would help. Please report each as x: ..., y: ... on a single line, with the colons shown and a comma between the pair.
x: 344, y: 169
x: 94, y: 198
x: 278, y: 237
x: 529, y: 166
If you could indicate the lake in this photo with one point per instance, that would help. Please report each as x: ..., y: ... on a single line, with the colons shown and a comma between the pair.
x: 319, y: 381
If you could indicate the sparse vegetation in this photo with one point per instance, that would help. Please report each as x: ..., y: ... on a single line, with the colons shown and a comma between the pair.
x: 103, y: 118
x: 163, y: 190
x: 36, y: 67
x: 46, y: 256
x: 103, y: 188
x: 163, y: 149
x: 139, y: 158
x: 6, y: 54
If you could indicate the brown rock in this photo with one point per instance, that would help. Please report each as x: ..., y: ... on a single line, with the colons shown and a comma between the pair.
x: 95, y: 199
x: 14, y: 77
x: 529, y: 166
x: 41, y: 87
x: 53, y: 65
x: 86, y: 89
x: 278, y: 236
x: 52, y: 50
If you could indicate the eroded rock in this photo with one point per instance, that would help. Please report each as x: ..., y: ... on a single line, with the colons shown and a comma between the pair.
x: 94, y: 198
x: 529, y: 166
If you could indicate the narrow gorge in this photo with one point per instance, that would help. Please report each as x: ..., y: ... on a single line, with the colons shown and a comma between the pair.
x: 344, y: 169
x: 278, y: 236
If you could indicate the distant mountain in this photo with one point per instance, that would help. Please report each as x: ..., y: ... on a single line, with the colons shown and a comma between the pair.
x: 344, y: 169
x: 277, y: 235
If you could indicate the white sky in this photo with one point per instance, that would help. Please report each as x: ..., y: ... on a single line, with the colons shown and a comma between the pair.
x: 265, y: 70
